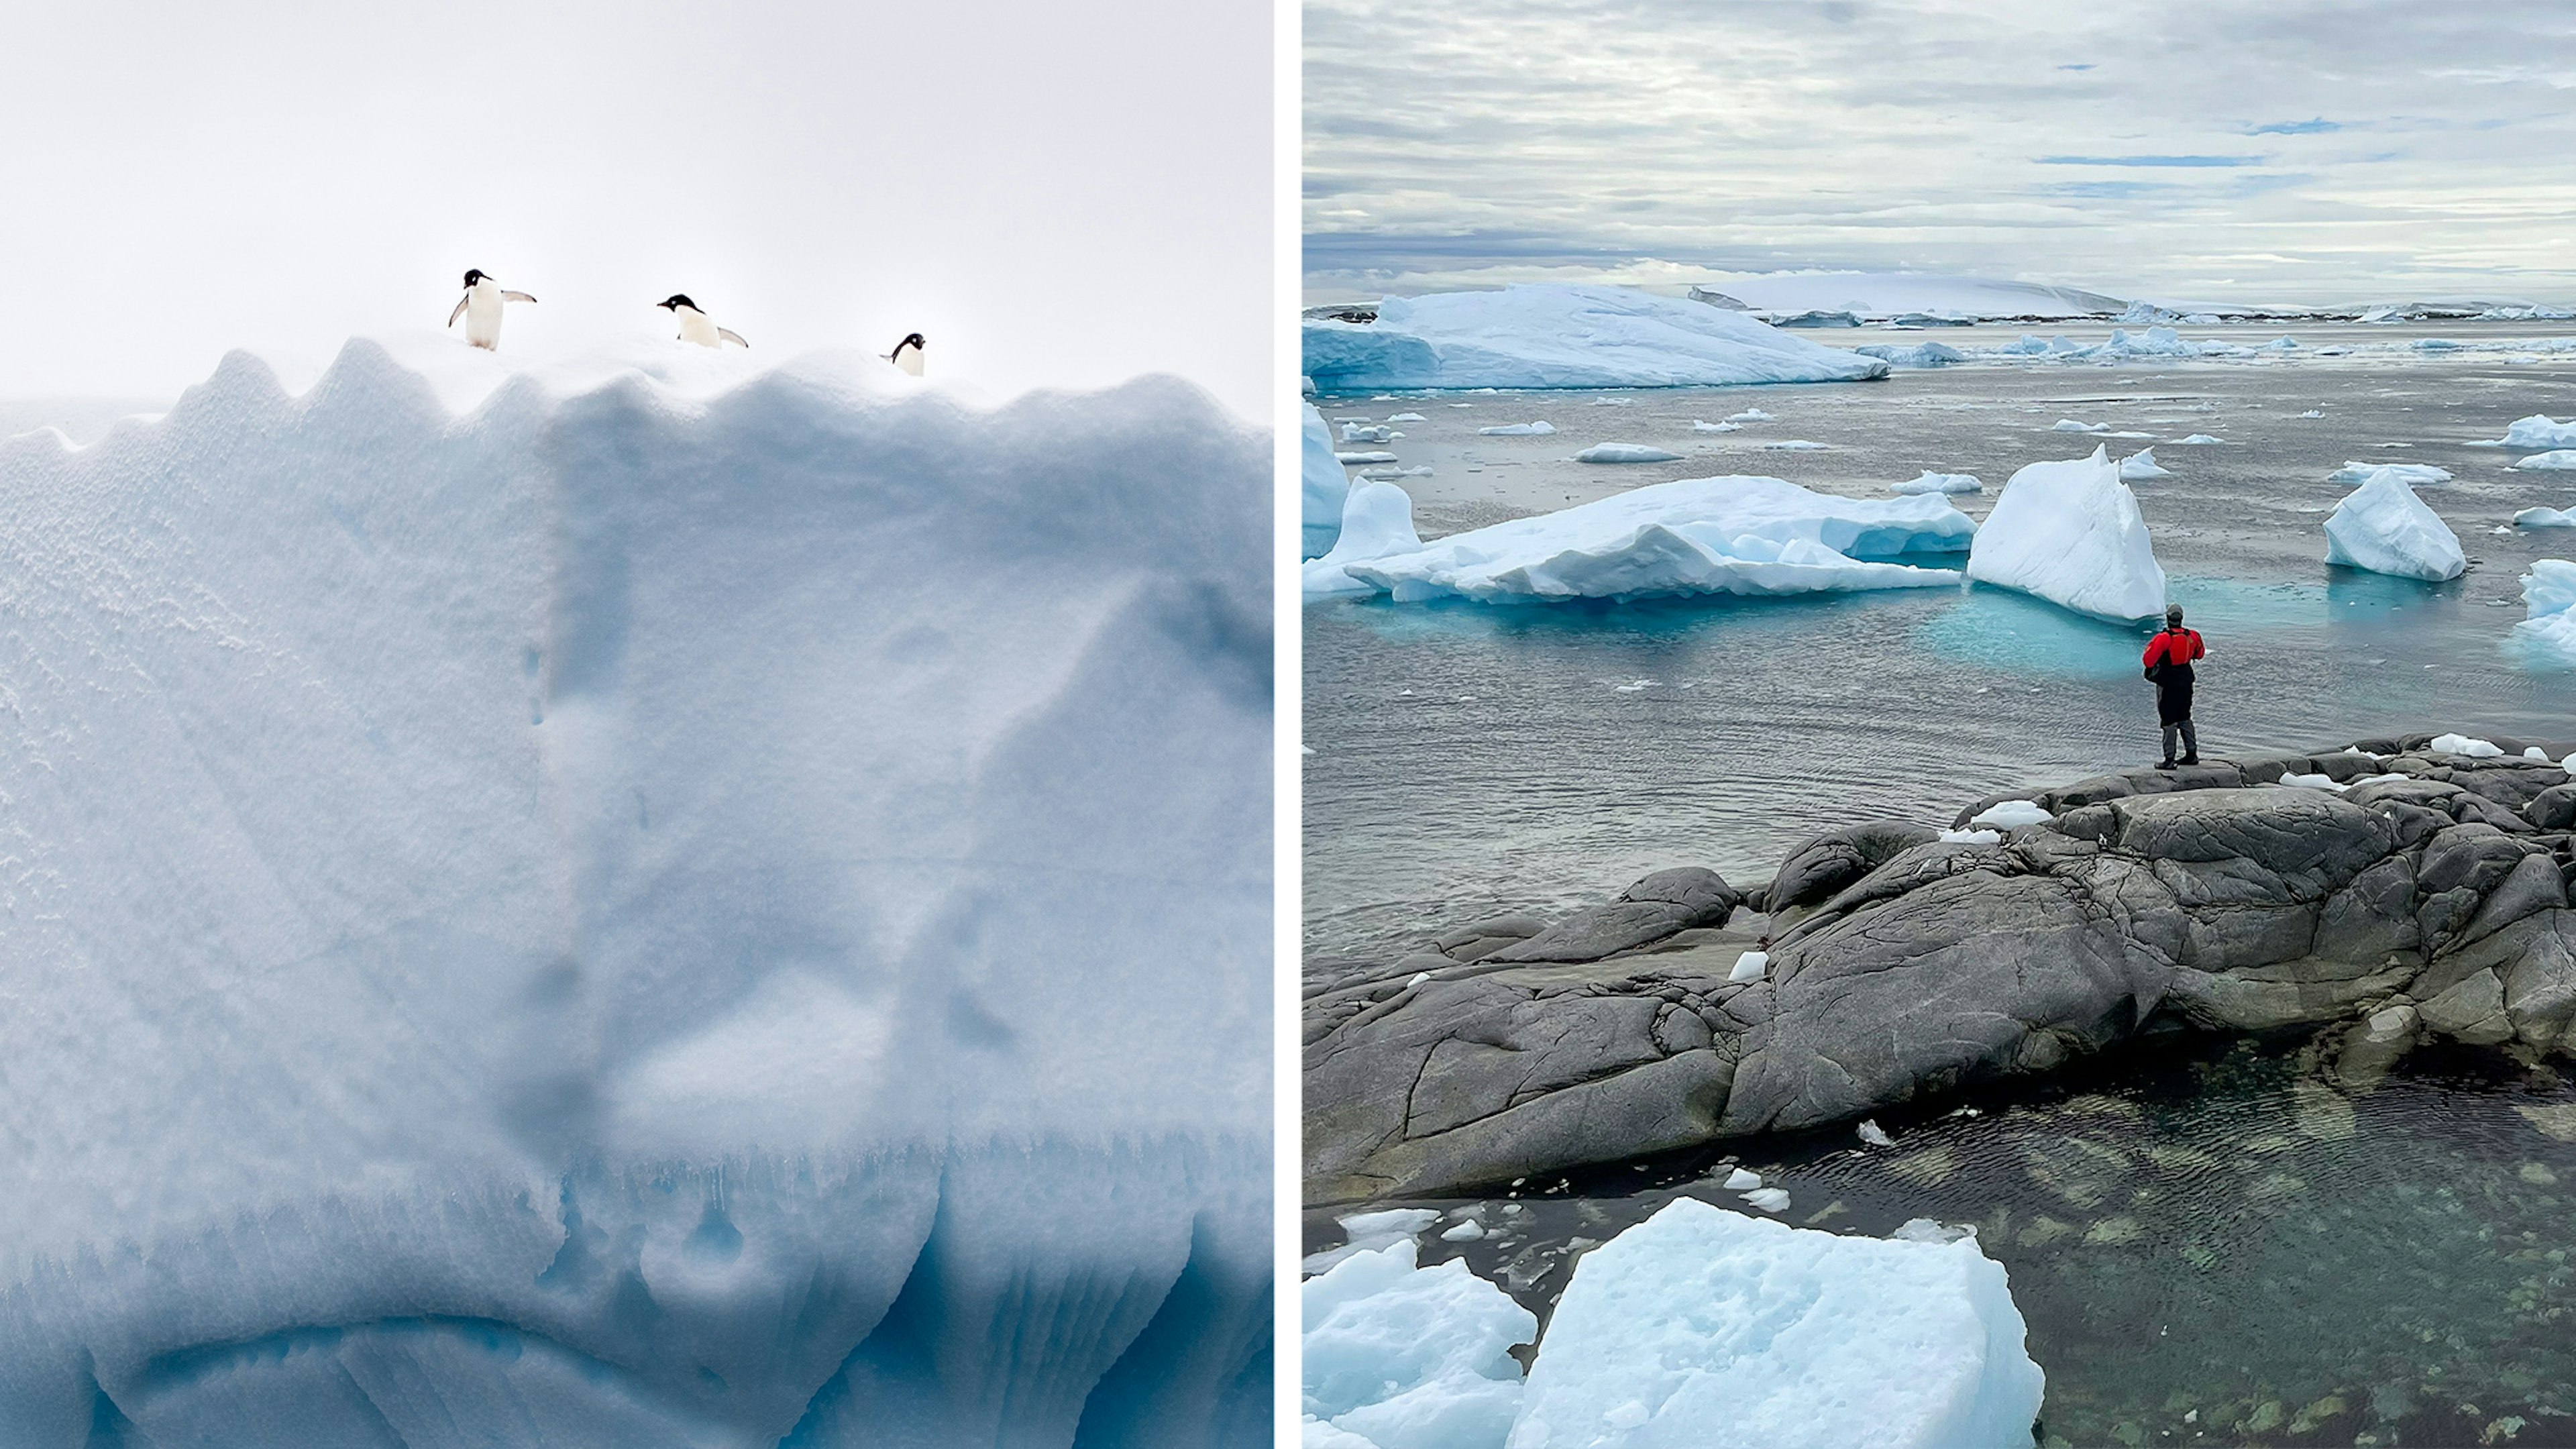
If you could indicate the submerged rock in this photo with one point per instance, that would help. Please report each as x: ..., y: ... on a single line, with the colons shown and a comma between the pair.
x: 2433, y: 905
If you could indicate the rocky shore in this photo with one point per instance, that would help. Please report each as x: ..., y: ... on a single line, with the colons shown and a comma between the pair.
x: 2383, y: 894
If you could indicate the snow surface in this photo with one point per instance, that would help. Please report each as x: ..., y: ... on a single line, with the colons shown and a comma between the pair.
x: 2070, y: 532
x: 1553, y: 336
x: 2413, y: 475
x: 1321, y: 486
x: 1735, y: 1332
x: 1930, y: 482
x: 2549, y: 604
x: 2383, y: 527
x: 2545, y: 518
x: 1411, y: 1358
x: 2009, y: 815
x: 2553, y: 460
x: 2141, y: 467
x: 1625, y: 453
x: 2538, y: 431
x: 660, y: 900
x: 1376, y: 521
x: 1693, y: 536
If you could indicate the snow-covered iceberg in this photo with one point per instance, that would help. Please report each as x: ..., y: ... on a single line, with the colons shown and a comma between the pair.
x: 2383, y: 527
x: 1694, y: 536
x: 1551, y: 336
x: 1402, y: 1357
x: 664, y: 900
x: 2071, y: 533
x: 1377, y: 520
x: 1321, y: 485
x: 1712, y: 1329
x: 2549, y: 606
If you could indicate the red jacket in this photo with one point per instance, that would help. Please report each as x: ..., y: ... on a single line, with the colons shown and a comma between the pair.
x: 2171, y: 647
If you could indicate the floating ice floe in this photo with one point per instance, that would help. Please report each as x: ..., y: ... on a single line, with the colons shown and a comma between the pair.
x: 2070, y: 532
x: 1353, y: 459
x: 1751, y: 415
x: 1769, y: 1199
x: 2010, y: 815
x: 1922, y: 355
x: 1931, y: 482
x: 1713, y: 1329
x: 595, y: 1010
x: 1368, y: 433
x: 2312, y: 413
x: 1385, y: 474
x: 2538, y: 431
x: 1519, y: 430
x: 1407, y: 418
x: 2070, y: 425
x: 2554, y: 459
x: 2141, y: 467
x: 1700, y: 427
x: 1625, y: 453
x: 1873, y: 1134
x: 2549, y: 603
x: 1749, y: 967
x: 2413, y: 475
x: 1794, y: 445
x: 1377, y: 520
x: 2383, y: 527
x: 2475, y: 749
x: 1402, y: 1357
x: 2199, y: 440
x: 2545, y: 518
x: 1321, y: 486
x: 1694, y: 536
x: 1554, y: 336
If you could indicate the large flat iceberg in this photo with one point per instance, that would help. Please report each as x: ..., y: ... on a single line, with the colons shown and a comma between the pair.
x: 1701, y: 1328
x: 1548, y: 336
x: 672, y: 901
x: 2071, y: 533
x: 2383, y: 527
x: 1693, y: 536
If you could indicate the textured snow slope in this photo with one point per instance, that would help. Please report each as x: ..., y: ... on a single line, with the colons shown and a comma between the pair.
x: 1547, y: 336
x: 686, y: 904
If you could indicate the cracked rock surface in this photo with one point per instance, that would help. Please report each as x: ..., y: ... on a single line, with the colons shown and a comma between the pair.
x: 2427, y: 897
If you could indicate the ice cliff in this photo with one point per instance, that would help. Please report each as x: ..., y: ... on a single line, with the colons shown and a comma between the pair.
x: 659, y: 900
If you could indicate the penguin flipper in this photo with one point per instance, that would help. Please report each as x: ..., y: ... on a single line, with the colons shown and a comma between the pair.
x: 732, y: 336
x: 460, y: 309
x: 516, y: 297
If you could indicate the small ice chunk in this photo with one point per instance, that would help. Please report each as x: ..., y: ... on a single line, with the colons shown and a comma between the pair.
x: 2546, y: 517
x: 2312, y: 782
x: 1925, y: 1230
x: 1931, y: 482
x: 1519, y: 430
x: 1408, y: 418
x: 2554, y: 459
x: 1418, y: 978
x: 2141, y: 465
x: 1972, y: 837
x: 1700, y: 427
x: 1743, y: 1180
x: 1750, y: 966
x: 2010, y: 815
x: 1769, y: 1199
x: 1625, y: 453
x: 1465, y: 1232
x: 2413, y: 475
x: 2475, y: 749
x: 1795, y: 445
x: 2200, y: 440
x: 2312, y: 413
x: 1376, y: 456
x: 2535, y: 752
x: 1364, y: 433
x: 1750, y: 415
x: 2069, y: 425
x: 1873, y: 1134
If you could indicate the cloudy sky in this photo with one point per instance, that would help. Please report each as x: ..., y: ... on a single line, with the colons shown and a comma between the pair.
x: 2286, y: 151
x: 1031, y: 185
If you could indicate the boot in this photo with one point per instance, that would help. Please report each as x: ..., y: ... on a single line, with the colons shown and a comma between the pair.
x: 2191, y: 759
x: 2166, y: 763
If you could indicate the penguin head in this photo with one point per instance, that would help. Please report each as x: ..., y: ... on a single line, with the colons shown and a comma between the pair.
x: 913, y: 341
x: 678, y: 301
x: 473, y: 275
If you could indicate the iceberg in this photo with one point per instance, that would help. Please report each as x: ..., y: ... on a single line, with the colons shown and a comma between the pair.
x: 2142, y: 467
x: 2538, y: 431
x: 1518, y: 430
x: 2413, y: 475
x: 1794, y: 445
x: 2383, y: 527
x: 1713, y: 1329
x: 1625, y: 453
x: 1697, y: 426
x: 1551, y: 336
x: 1402, y: 1357
x: 2548, y: 629
x: 1930, y: 482
x: 2070, y: 425
x: 2199, y: 440
x: 1321, y: 486
x: 1695, y: 536
x: 1376, y: 521
x: 540, y: 911
x: 1751, y: 415
x: 1922, y: 355
x: 2071, y: 533
x: 2554, y: 459
x: 2545, y: 518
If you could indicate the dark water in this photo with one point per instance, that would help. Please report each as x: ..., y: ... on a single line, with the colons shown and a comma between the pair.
x: 1471, y: 758
x: 2194, y: 1231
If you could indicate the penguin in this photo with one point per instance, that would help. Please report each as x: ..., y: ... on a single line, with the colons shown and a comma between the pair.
x: 696, y: 326
x: 481, y: 309
x: 907, y: 353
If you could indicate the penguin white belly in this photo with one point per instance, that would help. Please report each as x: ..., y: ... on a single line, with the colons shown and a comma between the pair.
x: 697, y: 327
x: 483, y: 315
x: 909, y: 359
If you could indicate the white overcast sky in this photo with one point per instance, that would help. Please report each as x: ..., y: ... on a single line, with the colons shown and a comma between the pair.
x: 2286, y: 150
x: 1055, y: 194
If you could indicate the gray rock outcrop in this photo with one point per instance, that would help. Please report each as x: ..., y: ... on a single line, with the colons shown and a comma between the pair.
x: 2429, y: 897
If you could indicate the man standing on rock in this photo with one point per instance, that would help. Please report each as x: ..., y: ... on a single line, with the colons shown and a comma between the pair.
x: 2168, y: 662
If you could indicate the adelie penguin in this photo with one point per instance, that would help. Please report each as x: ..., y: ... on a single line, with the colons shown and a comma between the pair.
x: 697, y: 326
x: 907, y: 353
x: 481, y: 309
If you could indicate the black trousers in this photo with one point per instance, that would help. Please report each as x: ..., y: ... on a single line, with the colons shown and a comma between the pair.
x: 2173, y: 712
